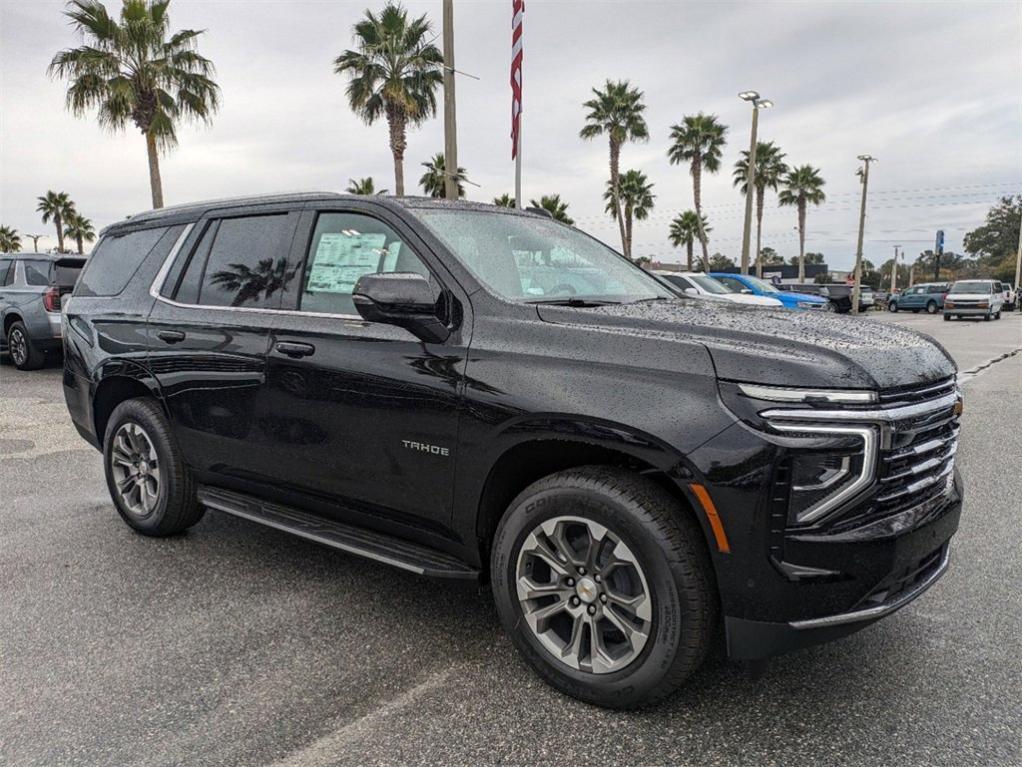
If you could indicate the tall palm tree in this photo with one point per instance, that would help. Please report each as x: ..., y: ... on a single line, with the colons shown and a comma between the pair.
x: 636, y: 198
x: 685, y: 230
x: 80, y: 229
x: 363, y: 186
x: 504, y: 201
x: 699, y: 141
x: 770, y: 169
x: 58, y: 207
x: 432, y: 181
x: 616, y: 112
x: 136, y: 70
x: 803, y: 186
x: 395, y: 71
x: 10, y: 240
x: 553, y: 205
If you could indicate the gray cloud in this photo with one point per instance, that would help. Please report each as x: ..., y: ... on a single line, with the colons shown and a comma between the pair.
x: 932, y: 89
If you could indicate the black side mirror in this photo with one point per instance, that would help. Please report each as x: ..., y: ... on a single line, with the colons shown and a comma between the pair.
x: 404, y: 299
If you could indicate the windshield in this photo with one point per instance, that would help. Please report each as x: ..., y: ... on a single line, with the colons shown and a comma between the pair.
x: 971, y: 286
x: 528, y: 259
x: 708, y: 284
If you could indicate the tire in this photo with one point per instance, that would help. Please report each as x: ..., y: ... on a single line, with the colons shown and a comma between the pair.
x: 24, y: 353
x: 947, y: 318
x: 998, y: 315
x: 672, y: 564
x: 931, y: 307
x: 986, y: 317
x: 161, y: 500
x: 892, y: 306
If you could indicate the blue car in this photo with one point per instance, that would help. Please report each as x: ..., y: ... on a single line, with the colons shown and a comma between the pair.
x: 746, y: 283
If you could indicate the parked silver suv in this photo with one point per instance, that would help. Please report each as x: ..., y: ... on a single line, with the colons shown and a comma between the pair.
x: 31, y: 285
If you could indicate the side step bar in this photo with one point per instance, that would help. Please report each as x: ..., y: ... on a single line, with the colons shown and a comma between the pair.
x: 353, y: 540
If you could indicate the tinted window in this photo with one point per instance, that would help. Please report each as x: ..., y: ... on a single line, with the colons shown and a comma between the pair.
x: 246, y: 265
x: 37, y: 272
x: 731, y: 283
x: 5, y: 266
x: 344, y: 247
x: 117, y: 257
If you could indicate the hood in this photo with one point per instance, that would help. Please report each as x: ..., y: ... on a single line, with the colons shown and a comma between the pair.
x: 806, y: 297
x: 745, y: 298
x: 780, y: 348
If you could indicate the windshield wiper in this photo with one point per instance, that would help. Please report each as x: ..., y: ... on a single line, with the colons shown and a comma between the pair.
x: 648, y: 300
x: 573, y: 302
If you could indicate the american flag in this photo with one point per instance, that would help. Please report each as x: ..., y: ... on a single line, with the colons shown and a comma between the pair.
x: 517, y: 14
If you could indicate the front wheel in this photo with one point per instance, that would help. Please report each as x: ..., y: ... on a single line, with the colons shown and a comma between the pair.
x: 605, y: 586
x: 145, y: 473
x: 947, y: 318
x: 892, y: 306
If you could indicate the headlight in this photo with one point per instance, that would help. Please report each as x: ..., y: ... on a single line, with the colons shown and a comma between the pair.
x: 983, y: 304
x: 821, y: 481
x: 949, y: 304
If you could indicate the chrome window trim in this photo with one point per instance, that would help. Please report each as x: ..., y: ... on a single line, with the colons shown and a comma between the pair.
x: 161, y: 278
x: 789, y: 394
x: 870, y: 448
x: 879, y: 611
x: 887, y: 415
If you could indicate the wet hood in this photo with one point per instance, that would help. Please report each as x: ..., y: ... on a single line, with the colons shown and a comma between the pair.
x: 777, y: 347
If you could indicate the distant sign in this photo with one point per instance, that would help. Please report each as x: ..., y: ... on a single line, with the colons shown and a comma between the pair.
x: 938, y: 247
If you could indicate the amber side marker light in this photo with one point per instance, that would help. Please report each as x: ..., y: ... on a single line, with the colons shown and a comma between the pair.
x: 711, y: 514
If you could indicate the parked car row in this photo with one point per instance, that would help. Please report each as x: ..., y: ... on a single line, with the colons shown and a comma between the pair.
x: 964, y: 298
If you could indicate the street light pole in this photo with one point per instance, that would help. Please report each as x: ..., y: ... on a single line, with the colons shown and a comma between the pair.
x: 866, y: 160
x: 894, y: 271
x: 35, y: 241
x: 450, y: 112
x: 1018, y: 270
x: 750, y: 174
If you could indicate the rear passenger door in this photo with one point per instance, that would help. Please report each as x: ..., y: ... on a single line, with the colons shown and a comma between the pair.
x: 208, y: 334
x: 365, y: 414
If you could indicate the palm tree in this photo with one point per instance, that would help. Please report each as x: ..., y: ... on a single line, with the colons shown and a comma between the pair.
x: 79, y: 228
x: 699, y: 141
x: 136, y: 70
x: 10, y: 240
x: 395, y: 72
x: 616, y: 112
x: 56, y: 206
x: 553, y: 205
x: 636, y: 200
x: 504, y: 201
x: 770, y: 169
x: 685, y: 230
x: 432, y: 181
x: 802, y: 186
x: 363, y: 186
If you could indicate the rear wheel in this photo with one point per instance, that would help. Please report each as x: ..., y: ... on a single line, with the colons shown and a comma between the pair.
x: 931, y: 307
x: 24, y: 353
x: 605, y: 586
x: 147, y: 478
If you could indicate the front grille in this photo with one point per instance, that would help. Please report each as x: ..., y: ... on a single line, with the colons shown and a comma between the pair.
x: 916, y: 393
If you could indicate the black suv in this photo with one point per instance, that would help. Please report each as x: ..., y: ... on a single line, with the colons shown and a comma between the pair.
x: 471, y: 392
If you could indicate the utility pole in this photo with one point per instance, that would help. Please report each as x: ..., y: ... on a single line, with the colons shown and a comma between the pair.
x: 894, y: 271
x: 1018, y: 269
x: 450, y: 111
x: 912, y: 274
x: 866, y: 160
x: 938, y: 251
x: 750, y: 174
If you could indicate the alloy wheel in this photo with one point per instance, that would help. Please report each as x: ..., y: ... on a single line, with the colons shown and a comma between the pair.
x: 584, y: 594
x: 135, y: 468
x: 18, y: 345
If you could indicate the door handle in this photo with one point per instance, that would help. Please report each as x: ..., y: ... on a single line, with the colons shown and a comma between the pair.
x: 171, y: 336
x: 295, y: 350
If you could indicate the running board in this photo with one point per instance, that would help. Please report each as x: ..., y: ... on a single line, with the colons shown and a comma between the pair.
x: 353, y: 540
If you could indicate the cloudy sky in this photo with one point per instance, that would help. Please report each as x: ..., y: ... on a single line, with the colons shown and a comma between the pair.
x: 933, y: 89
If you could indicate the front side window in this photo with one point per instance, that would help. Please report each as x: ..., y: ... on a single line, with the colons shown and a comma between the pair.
x: 733, y: 285
x: 531, y: 259
x: 344, y: 247
x: 709, y: 284
x: 240, y: 262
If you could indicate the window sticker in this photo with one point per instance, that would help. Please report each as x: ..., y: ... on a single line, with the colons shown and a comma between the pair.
x: 341, y: 258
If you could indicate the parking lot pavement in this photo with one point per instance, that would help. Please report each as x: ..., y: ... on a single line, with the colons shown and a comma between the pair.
x: 238, y: 645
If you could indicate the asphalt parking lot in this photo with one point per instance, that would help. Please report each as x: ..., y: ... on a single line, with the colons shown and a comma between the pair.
x: 238, y: 645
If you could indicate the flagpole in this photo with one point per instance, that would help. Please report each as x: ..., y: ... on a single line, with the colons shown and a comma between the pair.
x: 517, y: 19
x: 518, y: 165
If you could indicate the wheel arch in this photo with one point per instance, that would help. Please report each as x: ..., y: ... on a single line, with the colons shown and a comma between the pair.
x: 9, y: 319
x: 118, y: 383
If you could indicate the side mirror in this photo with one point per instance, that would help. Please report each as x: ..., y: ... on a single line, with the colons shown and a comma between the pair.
x: 746, y: 291
x: 692, y: 291
x: 404, y: 299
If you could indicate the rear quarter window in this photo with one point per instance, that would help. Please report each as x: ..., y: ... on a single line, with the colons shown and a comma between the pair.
x: 118, y: 257
x: 37, y: 272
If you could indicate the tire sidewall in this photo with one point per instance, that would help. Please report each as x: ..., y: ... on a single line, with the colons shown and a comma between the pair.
x: 632, y: 683
x: 133, y: 411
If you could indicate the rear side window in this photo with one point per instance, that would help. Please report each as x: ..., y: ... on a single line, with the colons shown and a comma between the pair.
x: 117, y: 258
x: 37, y: 272
x: 5, y: 267
x: 240, y: 262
